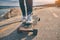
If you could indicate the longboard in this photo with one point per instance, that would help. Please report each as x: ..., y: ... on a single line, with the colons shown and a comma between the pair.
x: 26, y: 27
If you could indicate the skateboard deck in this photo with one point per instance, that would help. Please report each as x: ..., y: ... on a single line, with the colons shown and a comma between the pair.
x: 26, y: 26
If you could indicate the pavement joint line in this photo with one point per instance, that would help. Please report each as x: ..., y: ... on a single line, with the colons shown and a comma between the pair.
x: 54, y: 14
x: 9, y: 21
x: 3, y: 31
x: 6, y: 28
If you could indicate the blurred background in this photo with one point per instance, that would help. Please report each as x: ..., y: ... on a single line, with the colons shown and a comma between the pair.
x: 6, y: 5
x: 16, y: 2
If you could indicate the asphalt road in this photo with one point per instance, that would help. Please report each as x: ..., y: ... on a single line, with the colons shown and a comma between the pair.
x: 48, y: 27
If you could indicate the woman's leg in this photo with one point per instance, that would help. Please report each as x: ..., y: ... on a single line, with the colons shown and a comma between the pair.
x: 29, y: 11
x: 21, y: 2
x: 29, y: 7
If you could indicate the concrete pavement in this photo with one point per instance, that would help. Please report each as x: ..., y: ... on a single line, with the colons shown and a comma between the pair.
x: 48, y: 27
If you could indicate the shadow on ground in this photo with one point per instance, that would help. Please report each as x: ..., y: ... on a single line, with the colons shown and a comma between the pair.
x: 25, y: 36
x: 20, y: 36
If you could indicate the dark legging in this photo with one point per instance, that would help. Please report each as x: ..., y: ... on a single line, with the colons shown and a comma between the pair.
x: 29, y: 6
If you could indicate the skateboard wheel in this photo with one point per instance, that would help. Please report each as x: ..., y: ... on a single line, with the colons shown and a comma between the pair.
x: 35, y: 31
x: 39, y: 19
x: 19, y: 32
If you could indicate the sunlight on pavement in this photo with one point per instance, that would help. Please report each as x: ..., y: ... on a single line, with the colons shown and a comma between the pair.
x: 55, y: 15
x: 3, y: 30
x: 23, y: 39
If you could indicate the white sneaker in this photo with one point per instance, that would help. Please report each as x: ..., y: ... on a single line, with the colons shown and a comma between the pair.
x: 23, y: 19
x: 29, y: 19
